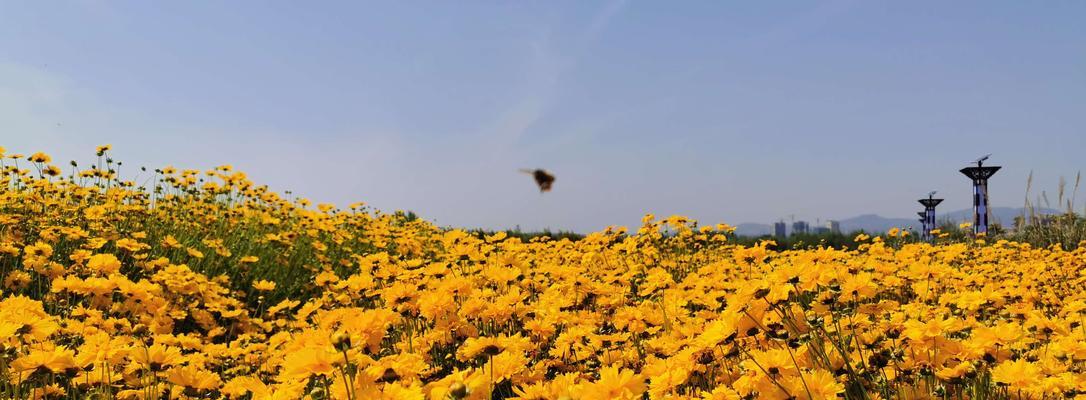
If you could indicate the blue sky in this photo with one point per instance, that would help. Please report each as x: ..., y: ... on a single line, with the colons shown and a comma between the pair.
x: 722, y: 111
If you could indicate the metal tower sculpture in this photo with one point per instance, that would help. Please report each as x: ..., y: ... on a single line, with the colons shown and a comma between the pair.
x: 929, y: 214
x: 980, y: 174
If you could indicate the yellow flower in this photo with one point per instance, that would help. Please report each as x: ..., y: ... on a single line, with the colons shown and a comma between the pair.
x: 241, y: 385
x: 308, y: 362
x: 721, y: 392
x: 858, y: 287
x: 718, y: 332
x: 387, y: 306
x: 614, y: 383
x: 1018, y: 374
x: 104, y: 263
x: 264, y: 286
x: 194, y: 253
x: 192, y: 377
x: 773, y: 362
x: 40, y: 157
x: 156, y: 357
x: 38, y: 250
x: 954, y: 372
x: 490, y: 346
x: 820, y: 384
x: 171, y: 242
x: 131, y: 245
x: 55, y: 360
x: 25, y: 317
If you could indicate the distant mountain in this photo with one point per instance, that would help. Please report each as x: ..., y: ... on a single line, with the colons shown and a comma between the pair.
x: 875, y: 223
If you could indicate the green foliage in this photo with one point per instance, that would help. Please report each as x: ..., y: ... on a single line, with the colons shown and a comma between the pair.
x: 1067, y: 230
x: 802, y: 241
x: 529, y: 235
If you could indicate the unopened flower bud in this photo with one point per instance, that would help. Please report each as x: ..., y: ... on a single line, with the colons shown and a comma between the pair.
x: 342, y: 341
x: 458, y: 391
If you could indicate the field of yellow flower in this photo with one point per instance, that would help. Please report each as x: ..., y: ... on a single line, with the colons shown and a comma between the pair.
x: 190, y: 284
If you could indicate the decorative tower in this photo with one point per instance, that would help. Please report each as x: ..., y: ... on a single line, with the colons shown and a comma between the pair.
x: 929, y: 213
x: 980, y: 174
x: 923, y: 223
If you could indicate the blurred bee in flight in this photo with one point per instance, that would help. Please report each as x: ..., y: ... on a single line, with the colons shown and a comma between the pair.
x: 542, y: 178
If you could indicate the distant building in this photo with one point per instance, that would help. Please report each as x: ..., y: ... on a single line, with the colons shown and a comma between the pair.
x: 780, y: 229
x: 820, y: 230
x: 833, y: 226
x: 800, y: 227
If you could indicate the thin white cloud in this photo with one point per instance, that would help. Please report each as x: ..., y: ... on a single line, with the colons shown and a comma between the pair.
x: 543, y: 79
x: 535, y: 95
x: 600, y: 22
x: 789, y: 29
